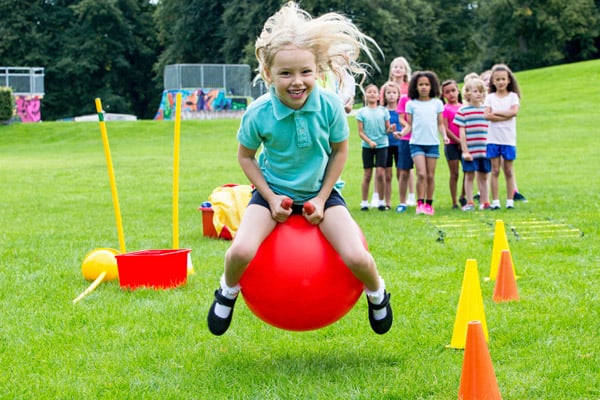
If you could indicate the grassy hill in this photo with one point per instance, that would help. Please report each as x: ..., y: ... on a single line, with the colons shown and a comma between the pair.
x: 56, y: 206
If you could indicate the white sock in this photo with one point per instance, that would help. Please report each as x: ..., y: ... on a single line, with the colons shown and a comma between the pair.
x: 496, y: 203
x: 229, y: 292
x: 510, y: 203
x: 364, y: 203
x: 377, y: 297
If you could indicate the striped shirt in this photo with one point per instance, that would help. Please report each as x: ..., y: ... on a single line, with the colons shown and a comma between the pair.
x: 476, y: 127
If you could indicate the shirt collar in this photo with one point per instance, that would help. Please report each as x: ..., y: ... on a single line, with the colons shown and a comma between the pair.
x: 313, y: 103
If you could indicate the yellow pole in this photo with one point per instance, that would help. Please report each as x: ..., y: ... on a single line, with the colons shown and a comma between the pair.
x: 176, y: 171
x: 111, y: 175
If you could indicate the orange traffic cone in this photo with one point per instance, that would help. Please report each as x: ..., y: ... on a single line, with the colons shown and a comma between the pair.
x: 506, y: 284
x: 500, y: 243
x: 477, y: 381
x: 470, y: 306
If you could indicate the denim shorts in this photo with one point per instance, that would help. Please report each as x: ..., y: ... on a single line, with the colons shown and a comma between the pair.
x: 430, y: 151
x: 501, y: 150
x: 335, y: 199
x: 405, y: 160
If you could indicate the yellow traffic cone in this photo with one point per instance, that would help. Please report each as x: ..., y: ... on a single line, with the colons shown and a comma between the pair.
x: 500, y: 243
x: 470, y: 306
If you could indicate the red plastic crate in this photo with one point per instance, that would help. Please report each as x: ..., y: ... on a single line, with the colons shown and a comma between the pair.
x: 159, y: 269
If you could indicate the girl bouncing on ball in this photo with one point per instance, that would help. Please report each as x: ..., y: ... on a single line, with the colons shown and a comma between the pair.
x: 303, y: 132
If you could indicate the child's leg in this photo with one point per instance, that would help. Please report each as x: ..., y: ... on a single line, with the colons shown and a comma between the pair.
x: 421, y: 171
x: 468, y: 179
x: 389, y: 177
x: 256, y: 225
x: 494, y: 178
x: 380, y: 182
x: 366, y: 183
x: 453, y: 180
x: 482, y: 184
x: 403, y: 175
x: 341, y: 232
x: 509, y: 177
x: 430, y: 163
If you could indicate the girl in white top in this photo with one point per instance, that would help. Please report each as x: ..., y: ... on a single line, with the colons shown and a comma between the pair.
x: 501, y: 108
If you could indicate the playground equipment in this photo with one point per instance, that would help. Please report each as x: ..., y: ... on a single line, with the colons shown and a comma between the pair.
x: 152, y: 268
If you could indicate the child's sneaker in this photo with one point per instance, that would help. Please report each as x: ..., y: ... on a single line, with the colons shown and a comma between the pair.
x: 484, y: 206
x: 364, y: 205
x: 468, y: 207
x: 401, y: 208
x: 495, y: 205
x: 510, y: 204
x: 429, y: 209
x: 411, y: 201
x: 420, y: 208
x: 462, y: 201
x: 519, y: 197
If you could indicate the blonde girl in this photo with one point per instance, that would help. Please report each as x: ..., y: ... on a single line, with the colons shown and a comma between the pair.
x: 302, y: 132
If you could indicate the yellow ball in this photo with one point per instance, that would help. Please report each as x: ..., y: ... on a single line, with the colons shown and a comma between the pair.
x: 98, y: 261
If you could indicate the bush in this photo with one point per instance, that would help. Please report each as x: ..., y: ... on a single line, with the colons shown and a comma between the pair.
x: 7, y: 104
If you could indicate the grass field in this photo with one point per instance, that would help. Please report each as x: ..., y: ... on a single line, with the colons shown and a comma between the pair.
x: 148, y: 344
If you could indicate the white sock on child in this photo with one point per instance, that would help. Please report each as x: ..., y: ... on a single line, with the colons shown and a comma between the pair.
x: 229, y: 292
x: 376, y: 297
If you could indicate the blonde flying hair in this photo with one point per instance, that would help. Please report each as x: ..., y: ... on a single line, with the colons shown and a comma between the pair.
x: 334, y: 40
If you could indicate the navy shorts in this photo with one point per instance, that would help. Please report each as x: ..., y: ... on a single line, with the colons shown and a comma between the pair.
x: 477, y: 165
x: 392, y: 157
x: 335, y: 199
x: 374, y: 157
x: 452, y: 151
x: 430, y: 151
x: 501, y: 150
x: 405, y: 160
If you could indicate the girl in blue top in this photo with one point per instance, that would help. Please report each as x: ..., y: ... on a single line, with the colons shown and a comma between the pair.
x: 303, y: 132
x: 373, y: 124
x: 424, y: 121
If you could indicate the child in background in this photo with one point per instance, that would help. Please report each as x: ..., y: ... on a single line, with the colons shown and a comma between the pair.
x: 405, y: 162
x: 452, y: 102
x: 501, y: 108
x: 424, y: 121
x: 373, y: 125
x: 303, y: 133
x: 473, y: 140
x: 391, y: 93
x: 400, y: 74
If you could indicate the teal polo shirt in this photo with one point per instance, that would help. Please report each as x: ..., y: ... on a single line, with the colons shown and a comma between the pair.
x: 296, y: 144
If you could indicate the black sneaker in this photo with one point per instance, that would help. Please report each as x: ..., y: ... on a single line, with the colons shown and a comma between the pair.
x: 216, y: 324
x: 519, y: 197
x: 381, y: 326
x: 462, y: 201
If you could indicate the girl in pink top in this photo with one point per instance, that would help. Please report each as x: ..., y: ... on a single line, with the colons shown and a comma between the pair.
x: 452, y: 102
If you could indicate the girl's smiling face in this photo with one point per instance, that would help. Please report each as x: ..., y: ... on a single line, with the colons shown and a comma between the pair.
x: 293, y: 75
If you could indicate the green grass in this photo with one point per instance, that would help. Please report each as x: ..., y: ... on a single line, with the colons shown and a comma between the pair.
x: 56, y: 206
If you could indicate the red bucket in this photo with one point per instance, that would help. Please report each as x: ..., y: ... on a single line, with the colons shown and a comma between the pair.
x: 160, y: 269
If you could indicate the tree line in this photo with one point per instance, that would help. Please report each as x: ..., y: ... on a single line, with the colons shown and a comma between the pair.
x: 117, y: 49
